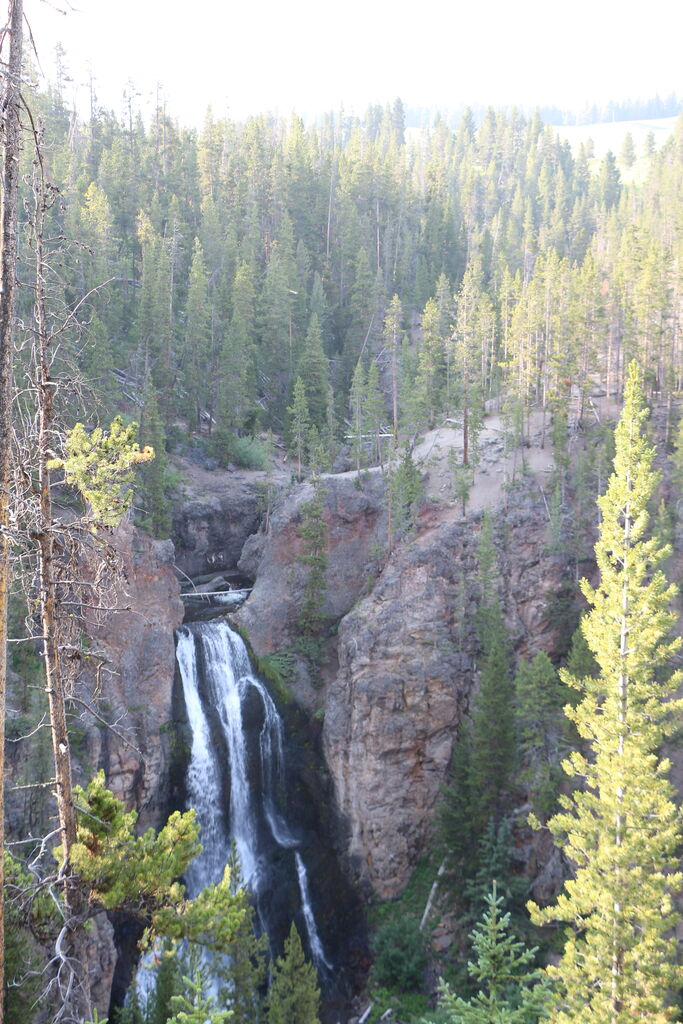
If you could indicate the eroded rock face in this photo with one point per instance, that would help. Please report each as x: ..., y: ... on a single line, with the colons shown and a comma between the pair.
x: 210, y: 530
x: 356, y: 529
x: 407, y: 674
x: 392, y: 714
x: 137, y: 688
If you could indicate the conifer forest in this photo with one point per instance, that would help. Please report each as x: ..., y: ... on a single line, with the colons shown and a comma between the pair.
x: 341, y: 519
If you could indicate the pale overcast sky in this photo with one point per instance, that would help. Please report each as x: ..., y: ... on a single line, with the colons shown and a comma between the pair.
x: 313, y: 56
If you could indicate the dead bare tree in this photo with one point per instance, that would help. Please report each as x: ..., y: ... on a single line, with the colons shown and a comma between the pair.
x: 70, y: 567
x: 10, y: 127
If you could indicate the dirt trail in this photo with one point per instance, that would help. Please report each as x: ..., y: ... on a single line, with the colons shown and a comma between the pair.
x: 496, y: 467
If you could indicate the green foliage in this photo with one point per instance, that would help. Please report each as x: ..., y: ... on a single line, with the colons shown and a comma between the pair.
x: 31, y: 917
x: 510, y: 988
x: 265, y: 262
x: 357, y: 396
x: 405, y: 492
x: 246, y: 452
x: 462, y: 477
x: 581, y: 661
x: 375, y: 411
x: 168, y: 982
x: 540, y: 696
x: 399, y: 953
x: 132, y: 1012
x: 493, y: 741
x: 293, y: 996
x: 139, y: 873
x: 192, y: 1006
x: 278, y: 668
x: 250, y: 453
x: 123, y: 870
x: 243, y: 969
x: 677, y: 458
x: 312, y: 530
x: 100, y: 466
x: 622, y: 830
x: 313, y: 372
x: 24, y: 658
x: 455, y: 826
x: 493, y: 860
x: 299, y: 423
x: 493, y: 731
x: 407, y: 1006
x: 154, y: 473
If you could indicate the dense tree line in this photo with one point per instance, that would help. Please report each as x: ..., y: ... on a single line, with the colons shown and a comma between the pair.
x: 457, y: 266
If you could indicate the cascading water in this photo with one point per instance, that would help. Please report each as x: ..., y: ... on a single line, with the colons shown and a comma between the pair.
x: 225, y: 702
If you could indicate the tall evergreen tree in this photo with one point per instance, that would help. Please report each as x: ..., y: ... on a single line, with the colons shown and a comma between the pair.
x: 540, y: 697
x: 621, y: 829
x: 294, y: 996
x: 313, y: 371
x: 237, y: 376
x: 375, y: 410
x: 154, y: 472
x: 357, y: 410
x: 493, y: 738
x: 299, y: 424
x: 245, y: 966
x: 197, y: 355
x: 392, y: 338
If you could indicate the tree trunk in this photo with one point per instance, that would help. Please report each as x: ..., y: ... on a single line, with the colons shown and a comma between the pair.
x: 8, y: 259
x: 72, y: 969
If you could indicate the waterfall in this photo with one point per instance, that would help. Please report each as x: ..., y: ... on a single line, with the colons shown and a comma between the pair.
x: 220, y: 689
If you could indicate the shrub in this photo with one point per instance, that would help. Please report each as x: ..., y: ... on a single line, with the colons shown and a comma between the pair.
x: 250, y: 453
x: 400, y: 957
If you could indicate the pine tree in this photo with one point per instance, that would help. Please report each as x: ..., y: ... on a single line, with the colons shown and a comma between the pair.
x: 357, y: 410
x: 237, y: 375
x: 294, y: 996
x: 540, y: 697
x: 313, y: 371
x: 197, y: 355
x: 193, y: 1005
x: 313, y: 532
x: 299, y: 424
x: 97, y: 364
x: 374, y: 408
x: 621, y: 829
x: 154, y: 472
x: 245, y: 966
x: 405, y: 492
x: 392, y: 339
x: 455, y: 813
x: 493, y: 734
x: 511, y: 989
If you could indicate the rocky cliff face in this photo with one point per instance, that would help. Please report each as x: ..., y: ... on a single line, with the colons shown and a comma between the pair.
x: 210, y: 529
x: 407, y: 674
x: 138, y: 642
x: 392, y: 713
x: 356, y: 531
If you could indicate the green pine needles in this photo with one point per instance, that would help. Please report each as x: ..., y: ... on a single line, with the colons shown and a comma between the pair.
x: 620, y: 830
x: 511, y: 989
